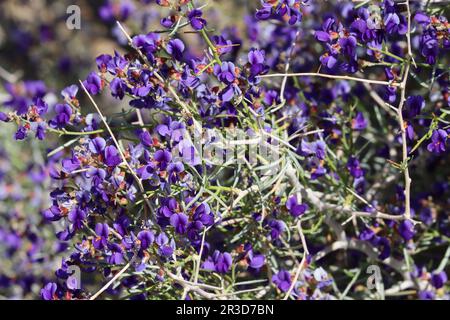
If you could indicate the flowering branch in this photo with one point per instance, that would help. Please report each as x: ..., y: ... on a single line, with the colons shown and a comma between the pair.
x: 119, y: 148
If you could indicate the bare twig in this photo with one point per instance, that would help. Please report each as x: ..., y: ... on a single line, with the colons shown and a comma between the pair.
x: 302, y: 263
x: 408, y: 33
x: 330, y: 76
x: 407, y: 178
x: 110, y: 282
x: 8, y: 76
x: 374, y: 95
x: 286, y: 69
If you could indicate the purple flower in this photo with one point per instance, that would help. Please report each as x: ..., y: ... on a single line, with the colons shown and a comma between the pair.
x: 264, y: 13
x: 429, y: 47
x: 118, y: 88
x: 229, y: 92
x: 414, y: 105
x: 4, y: 117
x: 223, y: 45
x: 359, y: 122
x: 321, y: 277
x: 49, y: 291
x: 162, y: 158
x: 166, y: 249
x: 348, y: 46
x: 93, y: 83
x: 203, y: 214
x: 21, y: 133
x: 111, y: 11
x: 179, y: 222
x: 255, y: 261
x: 426, y: 295
x: 317, y: 148
x: 97, y: 145
x: 52, y: 214
x: 225, y: 72
x: 218, y: 262
x: 189, y: 153
x: 383, y: 245
x: 295, y: 209
x: 395, y: 24
x: 69, y: 93
x: 283, y: 280
x: 354, y: 167
x: 174, y: 169
x: 282, y: 10
x: 40, y: 131
x: 102, y: 62
x: 146, y: 138
x: 146, y: 237
x: 97, y: 175
x: 102, y: 231
x: 176, y: 48
x: 390, y: 94
x: 277, y: 227
x: 148, y: 43
x: 256, y: 59
x: 438, y: 279
x: 72, y: 282
x: 77, y: 216
x: 146, y: 172
x: 406, y: 230
x: 422, y: 18
x: 169, y: 206
x: 168, y: 22
x: 112, y: 157
x: 196, y: 20
x: 426, y: 215
x: 438, y: 140
x: 116, y: 253
x: 71, y: 164
x: 271, y: 98
x: 175, y: 130
x: 63, y: 114
x: 322, y: 36
x: 328, y: 60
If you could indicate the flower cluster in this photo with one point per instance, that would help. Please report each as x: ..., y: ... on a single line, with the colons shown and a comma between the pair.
x: 435, y: 36
x: 342, y: 150
x: 284, y: 10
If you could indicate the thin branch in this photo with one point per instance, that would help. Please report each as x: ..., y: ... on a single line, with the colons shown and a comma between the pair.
x: 408, y: 33
x: 302, y: 263
x: 199, y: 260
x: 330, y: 76
x: 407, y: 178
x: 374, y: 95
x: 110, y: 282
